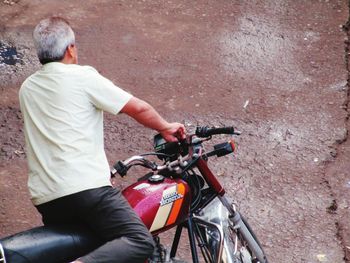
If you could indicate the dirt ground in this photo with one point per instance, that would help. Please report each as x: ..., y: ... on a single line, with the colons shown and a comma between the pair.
x: 276, y: 69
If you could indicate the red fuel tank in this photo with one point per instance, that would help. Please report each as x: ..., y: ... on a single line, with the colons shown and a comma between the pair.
x: 160, y: 202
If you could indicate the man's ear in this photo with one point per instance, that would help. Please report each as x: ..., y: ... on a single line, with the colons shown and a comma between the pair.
x: 71, y: 55
x: 71, y: 51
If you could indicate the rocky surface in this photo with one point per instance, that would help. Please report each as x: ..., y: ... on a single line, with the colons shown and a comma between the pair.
x: 277, y: 70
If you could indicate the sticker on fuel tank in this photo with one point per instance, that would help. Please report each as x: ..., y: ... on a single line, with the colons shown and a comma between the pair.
x: 141, y: 186
x: 169, y: 198
x: 169, y: 207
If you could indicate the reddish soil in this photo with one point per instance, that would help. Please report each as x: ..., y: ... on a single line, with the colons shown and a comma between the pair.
x: 277, y: 70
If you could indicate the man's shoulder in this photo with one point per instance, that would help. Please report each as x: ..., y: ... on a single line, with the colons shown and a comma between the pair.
x: 88, y: 72
x: 57, y: 67
x: 50, y: 71
x: 86, y: 68
x: 26, y: 82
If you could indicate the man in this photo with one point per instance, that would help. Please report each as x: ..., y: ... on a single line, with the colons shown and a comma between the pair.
x: 62, y: 106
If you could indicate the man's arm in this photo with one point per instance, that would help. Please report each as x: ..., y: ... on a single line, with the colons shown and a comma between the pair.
x: 145, y: 114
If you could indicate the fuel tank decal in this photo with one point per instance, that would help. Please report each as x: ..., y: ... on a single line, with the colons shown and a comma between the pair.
x: 169, y: 206
x: 170, y: 198
x: 177, y: 205
x: 141, y: 186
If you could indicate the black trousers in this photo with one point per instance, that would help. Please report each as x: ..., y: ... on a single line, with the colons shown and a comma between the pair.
x: 107, y: 213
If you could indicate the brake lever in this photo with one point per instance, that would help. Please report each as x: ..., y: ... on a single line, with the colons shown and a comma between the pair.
x: 152, y: 165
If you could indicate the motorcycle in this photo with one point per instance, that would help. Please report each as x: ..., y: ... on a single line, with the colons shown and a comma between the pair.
x: 180, y: 193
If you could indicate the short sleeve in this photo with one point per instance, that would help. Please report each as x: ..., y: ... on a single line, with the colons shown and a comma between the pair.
x: 103, y: 94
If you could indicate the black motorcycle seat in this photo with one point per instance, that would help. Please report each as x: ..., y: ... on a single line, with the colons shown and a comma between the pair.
x: 54, y: 244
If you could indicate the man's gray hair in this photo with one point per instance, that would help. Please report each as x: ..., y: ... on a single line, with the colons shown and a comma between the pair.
x: 52, y: 36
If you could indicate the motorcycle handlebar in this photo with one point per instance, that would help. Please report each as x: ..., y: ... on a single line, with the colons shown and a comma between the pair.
x: 201, y: 132
x: 206, y: 131
x: 122, y: 167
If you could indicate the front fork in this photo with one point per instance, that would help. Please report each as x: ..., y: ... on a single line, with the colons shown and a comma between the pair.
x: 244, y: 230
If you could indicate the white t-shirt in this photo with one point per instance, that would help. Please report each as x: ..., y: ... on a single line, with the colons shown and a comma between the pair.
x: 62, y: 107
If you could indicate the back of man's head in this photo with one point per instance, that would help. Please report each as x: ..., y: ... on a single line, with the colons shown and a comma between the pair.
x: 52, y: 36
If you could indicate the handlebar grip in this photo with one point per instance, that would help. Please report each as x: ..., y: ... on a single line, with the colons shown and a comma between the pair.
x: 206, y: 131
